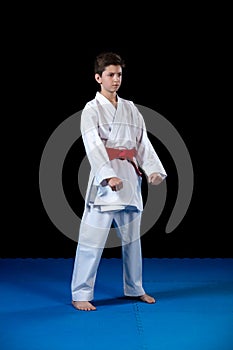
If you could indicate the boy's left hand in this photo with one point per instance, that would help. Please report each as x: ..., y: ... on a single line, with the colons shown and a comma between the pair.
x: 155, y: 178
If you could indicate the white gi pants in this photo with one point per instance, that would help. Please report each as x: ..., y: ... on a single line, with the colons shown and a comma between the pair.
x: 93, y: 234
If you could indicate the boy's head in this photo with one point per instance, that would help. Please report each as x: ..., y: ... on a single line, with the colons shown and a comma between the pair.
x: 107, y: 59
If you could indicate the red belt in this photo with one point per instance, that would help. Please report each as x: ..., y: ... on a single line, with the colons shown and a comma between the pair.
x: 115, y: 153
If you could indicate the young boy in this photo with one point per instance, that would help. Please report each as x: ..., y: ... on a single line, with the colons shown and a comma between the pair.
x: 116, y: 144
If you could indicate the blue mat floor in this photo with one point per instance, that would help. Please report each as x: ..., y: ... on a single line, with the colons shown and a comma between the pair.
x: 194, y: 308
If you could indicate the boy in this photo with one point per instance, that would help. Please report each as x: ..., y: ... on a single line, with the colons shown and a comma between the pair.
x: 116, y: 144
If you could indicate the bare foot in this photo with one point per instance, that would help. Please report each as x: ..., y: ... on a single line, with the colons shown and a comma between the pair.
x: 83, y: 305
x: 147, y: 299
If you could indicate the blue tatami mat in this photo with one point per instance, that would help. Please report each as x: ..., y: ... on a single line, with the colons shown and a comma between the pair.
x: 194, y: 308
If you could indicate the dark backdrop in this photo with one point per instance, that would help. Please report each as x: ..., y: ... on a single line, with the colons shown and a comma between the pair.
x: 52, y: 78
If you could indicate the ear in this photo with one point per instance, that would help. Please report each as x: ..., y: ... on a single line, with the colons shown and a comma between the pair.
x: 98, y: 78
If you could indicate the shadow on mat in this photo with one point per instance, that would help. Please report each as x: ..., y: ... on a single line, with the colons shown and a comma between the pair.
x: 115, y: 301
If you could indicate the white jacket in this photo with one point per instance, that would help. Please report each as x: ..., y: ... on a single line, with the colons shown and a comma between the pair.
x: 103, y: 125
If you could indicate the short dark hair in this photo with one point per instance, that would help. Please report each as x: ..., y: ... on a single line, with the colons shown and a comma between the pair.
x: 105, y: 59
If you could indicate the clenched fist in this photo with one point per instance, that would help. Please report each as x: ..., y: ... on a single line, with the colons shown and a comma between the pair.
x: 155, y: 178
x: 115, y: 183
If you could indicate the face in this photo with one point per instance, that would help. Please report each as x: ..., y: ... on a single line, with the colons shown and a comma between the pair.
x: 111, y: 78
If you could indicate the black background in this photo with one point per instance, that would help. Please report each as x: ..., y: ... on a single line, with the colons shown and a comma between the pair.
x: 49, y: 77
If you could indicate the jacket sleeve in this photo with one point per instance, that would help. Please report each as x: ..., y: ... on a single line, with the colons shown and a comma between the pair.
x: 94, y: 147
x: 147, y: 157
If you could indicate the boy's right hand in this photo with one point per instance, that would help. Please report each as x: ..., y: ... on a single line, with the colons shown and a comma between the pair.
x: 115, y: 183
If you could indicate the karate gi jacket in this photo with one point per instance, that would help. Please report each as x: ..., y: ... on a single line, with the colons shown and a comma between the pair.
x: 103, y: 125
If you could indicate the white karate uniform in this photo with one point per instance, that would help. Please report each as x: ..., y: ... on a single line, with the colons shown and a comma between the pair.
x: 103, y: 125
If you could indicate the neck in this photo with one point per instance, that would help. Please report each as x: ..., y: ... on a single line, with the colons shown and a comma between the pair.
x: 112, y: 97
